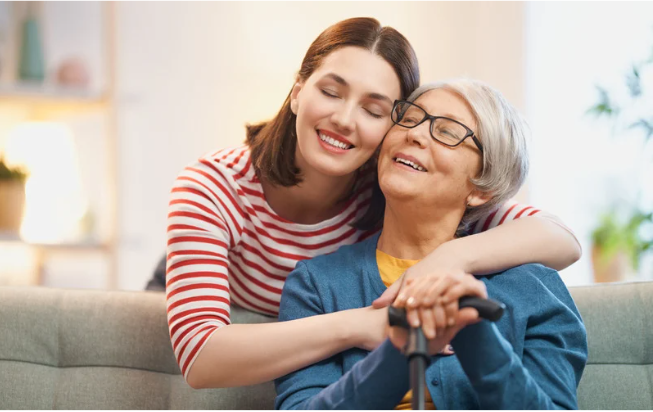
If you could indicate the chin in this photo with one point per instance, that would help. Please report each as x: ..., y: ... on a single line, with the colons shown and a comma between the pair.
x: 397, y: 190
x: 331, y: 167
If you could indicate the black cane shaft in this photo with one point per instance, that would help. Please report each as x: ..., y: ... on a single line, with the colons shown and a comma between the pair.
x: 418, y: 382
x: 417, y: 345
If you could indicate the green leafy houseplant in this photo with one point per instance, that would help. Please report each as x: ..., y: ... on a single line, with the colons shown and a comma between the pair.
x: 11, y: 173
x: 613, y: 236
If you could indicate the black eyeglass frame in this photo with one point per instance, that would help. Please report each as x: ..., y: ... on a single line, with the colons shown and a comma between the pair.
x: 427, y: 116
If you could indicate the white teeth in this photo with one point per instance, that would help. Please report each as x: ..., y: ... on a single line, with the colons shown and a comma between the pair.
x: 411, y: 164
x: 334, y: 142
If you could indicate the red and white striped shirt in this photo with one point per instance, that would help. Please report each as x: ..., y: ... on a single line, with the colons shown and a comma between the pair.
x: 226, y: 244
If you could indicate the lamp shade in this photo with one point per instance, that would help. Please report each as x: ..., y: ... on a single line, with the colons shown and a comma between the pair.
x: 55, y: 202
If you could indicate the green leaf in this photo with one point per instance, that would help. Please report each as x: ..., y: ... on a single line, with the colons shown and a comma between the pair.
x: 645, y: 125
x: 8, y: 173
x: 604, y: 106
x: 633, y: 81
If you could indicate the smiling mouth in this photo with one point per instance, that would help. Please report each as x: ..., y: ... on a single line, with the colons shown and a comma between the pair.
x: 409, y: 163
x: 335, y: 143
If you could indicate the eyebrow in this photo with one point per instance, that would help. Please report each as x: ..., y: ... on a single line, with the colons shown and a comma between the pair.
x: 452, y: 116
x: 375, y: 96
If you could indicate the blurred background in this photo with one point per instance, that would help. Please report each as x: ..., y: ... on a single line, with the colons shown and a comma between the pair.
x: 102, y: 104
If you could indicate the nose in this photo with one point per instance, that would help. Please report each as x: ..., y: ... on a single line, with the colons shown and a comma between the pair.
x: 419, y: 135
x: 343, y: 118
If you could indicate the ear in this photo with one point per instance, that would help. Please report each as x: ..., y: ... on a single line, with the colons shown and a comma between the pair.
x: 478, y: 198
x: 294, y: 96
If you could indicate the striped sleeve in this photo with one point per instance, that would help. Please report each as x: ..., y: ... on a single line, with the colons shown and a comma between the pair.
x: 202, y: 224
x: 510, y: 210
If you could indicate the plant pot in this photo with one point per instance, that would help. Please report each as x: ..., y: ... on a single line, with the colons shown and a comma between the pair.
x: 616, y: 269
x: 12, y: 205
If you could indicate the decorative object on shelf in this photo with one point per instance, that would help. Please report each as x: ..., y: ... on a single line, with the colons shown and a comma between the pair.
x: 618, y: 245
x: 12, y: 197
x: 32, y: 67
x: 4, y: 34
x: 621, y: 239
x: 73, y: 72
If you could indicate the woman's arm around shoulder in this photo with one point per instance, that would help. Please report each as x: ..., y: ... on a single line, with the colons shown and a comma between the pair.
x: 211, y: 352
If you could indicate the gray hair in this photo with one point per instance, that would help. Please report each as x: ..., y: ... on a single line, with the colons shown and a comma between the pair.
x: 503, y: 133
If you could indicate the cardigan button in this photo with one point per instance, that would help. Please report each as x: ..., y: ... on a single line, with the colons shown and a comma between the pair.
x: 435, y: 382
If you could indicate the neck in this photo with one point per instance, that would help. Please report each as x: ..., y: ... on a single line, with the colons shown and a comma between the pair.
x: 411, y: 233
x: 317, y: 198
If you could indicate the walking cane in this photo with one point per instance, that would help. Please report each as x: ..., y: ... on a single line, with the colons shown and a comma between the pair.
x: 417, y: 345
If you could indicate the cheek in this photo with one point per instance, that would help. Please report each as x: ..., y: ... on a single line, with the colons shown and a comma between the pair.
x: 372, y: 132
x: 312, y: 108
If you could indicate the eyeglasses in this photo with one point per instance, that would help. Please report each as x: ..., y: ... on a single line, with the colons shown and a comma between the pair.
x: 447, y: 131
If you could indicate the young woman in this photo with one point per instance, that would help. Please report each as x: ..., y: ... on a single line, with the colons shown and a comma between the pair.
x: 470, y: 146
x: 240, y: 219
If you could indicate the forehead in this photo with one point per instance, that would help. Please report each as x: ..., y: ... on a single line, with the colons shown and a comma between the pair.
x: 361, y: 69
x: 442, y: 102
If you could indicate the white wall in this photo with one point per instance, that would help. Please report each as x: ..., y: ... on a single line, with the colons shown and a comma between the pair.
x: 579, y: 167
x: 190, y: 75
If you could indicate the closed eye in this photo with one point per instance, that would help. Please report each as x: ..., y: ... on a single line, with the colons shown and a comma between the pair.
x: 329, y: 93
x: 374, y: 115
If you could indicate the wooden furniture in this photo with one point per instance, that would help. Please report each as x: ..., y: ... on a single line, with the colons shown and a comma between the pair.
x: 50, y: 103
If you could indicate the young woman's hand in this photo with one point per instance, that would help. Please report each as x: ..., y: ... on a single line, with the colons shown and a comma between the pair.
x: 370, y: 326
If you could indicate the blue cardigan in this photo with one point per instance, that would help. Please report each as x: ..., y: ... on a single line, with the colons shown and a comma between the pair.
x: 532, y: 358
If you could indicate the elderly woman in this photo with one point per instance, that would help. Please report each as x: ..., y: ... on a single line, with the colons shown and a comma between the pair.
x: 457, y: 150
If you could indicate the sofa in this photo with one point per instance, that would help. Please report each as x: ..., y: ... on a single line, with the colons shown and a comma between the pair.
x: 80, y: 349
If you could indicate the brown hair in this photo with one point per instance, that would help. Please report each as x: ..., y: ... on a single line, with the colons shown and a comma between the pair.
x: 272, y: 144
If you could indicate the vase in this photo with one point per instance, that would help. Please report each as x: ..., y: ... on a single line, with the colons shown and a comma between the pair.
x: 616, y: 269
x: 31, y: 53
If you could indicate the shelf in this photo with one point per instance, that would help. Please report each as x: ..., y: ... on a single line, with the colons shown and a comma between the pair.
x: 48, y: 98
x: 82, y: 246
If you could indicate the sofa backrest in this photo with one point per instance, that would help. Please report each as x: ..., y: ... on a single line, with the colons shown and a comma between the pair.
x: 77, y: 349
x: 619, y: 322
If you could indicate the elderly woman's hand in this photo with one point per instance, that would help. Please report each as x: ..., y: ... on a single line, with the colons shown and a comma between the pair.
x: 429, y: 282
x: 438, y: 333
x: 435, y: 305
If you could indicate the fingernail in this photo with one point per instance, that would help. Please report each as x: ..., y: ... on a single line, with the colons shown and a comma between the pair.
x: 401, y: 297
x: 416, y: 323
x: 451, y: 322
x: 411, y: 301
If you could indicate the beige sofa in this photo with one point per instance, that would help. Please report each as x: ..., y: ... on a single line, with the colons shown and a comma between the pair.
x: 74, y: 349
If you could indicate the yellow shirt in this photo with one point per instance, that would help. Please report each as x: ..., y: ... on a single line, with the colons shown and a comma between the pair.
x: 391, y: 269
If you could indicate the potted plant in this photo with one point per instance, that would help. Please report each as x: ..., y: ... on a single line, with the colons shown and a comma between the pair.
x: 12, y: 197
x: 617, y: 239
x: 618, y: 245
